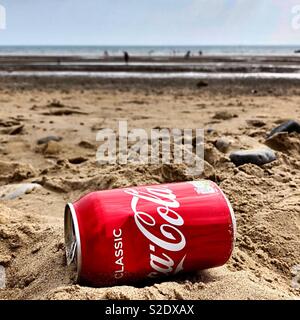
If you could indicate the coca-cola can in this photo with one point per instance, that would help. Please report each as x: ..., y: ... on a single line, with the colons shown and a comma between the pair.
x: 125, y: 235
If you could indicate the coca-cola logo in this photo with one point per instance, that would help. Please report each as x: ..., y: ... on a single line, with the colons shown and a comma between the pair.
x: 170, y: 238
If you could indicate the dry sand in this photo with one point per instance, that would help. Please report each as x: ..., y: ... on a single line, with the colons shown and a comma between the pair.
x: 266, y: 199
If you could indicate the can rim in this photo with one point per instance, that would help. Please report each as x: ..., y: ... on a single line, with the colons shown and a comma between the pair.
x: 70, y: 212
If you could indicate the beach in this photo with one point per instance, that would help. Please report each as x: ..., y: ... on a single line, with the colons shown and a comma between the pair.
x: 240, y: 99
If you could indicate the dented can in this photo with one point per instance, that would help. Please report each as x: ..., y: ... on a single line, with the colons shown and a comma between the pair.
x: 126, y: 235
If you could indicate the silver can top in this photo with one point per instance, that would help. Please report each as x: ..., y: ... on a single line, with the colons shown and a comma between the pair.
x: 72, y: 239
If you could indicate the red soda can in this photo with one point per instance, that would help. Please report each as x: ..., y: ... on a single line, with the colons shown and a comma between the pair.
x: 125, y: 235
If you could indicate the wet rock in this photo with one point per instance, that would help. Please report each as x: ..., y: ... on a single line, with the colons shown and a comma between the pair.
x: 224, y: 115
x: 48, y: 139
x: 223, y: 144
x: 258, y: 157
x: 288, y: 126
x: 13, y: 191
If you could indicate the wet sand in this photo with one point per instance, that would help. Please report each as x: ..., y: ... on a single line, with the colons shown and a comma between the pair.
x: 265, y: 199
x: 209, y: 64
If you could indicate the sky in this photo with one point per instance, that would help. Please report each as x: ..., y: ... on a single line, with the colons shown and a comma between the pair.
x: 150, y: 22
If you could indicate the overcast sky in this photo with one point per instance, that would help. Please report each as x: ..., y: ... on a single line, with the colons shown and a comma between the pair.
x: 149, y: 22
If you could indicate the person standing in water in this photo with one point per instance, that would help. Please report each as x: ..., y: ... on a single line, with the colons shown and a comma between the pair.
x: 126, y: 57
x: 106, y: 54
x: 187, y: 55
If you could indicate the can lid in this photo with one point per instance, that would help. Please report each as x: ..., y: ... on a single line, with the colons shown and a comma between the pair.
x: 72, y: 239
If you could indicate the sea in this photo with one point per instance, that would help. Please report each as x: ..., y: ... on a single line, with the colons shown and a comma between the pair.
x: 197, y: 70
x: 91, y: 51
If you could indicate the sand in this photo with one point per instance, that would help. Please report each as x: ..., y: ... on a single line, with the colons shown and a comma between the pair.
x: 266, y: 199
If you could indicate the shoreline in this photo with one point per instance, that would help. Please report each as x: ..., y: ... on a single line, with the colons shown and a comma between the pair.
x: 242, y: 64
x: 201, y: 68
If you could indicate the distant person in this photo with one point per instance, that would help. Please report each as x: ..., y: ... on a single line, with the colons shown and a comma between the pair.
x: 106, y: 54
x: 187, y: 55
x: 126, y: 57
x: 200, y: 53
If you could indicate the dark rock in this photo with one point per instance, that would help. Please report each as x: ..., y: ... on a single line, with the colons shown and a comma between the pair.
x: 201, y: 84
x: 48, y: 139
x: 256, y: 123
x: 55, y: 104
x: 258, y: 157
x: 63, y: 112
x: 223, y: 144
x: 86, y: 145
x: 224, y: 115
x: 16, y: 130
x: 78, y: 160
x: 288, y: 126
x: 28, y: 280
